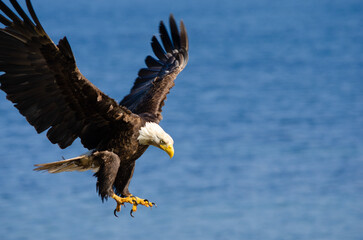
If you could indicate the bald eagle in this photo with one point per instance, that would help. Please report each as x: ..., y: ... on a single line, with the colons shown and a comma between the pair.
x: 46, y: 86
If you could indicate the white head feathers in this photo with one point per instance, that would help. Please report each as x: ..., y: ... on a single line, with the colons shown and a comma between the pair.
x: 153, y: 134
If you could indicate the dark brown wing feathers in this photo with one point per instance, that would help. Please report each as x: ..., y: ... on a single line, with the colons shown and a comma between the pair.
x: 153, y: 83
x: 44, y: 83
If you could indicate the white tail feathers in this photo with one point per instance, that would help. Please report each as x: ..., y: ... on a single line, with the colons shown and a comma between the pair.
x: 80, y: 163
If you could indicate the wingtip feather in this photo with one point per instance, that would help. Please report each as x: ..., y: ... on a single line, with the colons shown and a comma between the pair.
x: 158, y: 49
x: 21, y: 12
x: 183, y: 36
x: 174, y: 31
x: 34, y: 16
x: 165, y: 38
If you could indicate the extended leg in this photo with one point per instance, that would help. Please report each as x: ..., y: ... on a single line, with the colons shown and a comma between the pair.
x: 106, y: 175
x: 121, y: 185
x: 113, y: 173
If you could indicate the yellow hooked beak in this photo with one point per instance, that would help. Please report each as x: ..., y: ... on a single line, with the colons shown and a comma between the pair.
x: 168, y: 149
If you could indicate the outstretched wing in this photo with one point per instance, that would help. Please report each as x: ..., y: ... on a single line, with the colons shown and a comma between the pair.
x: 44, y: 83
x: 153, y: 83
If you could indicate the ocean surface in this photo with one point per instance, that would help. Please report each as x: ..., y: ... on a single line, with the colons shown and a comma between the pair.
x: 267, y: 120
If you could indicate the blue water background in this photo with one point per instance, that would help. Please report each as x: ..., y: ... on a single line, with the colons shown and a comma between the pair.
x: 267, y: 120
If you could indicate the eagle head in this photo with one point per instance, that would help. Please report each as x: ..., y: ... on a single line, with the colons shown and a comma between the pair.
x: 153, y: 134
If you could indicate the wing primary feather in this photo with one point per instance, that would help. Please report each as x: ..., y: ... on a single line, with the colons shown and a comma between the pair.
x: 152, y: 62
x: 4, y: 20
x: 183, y: 36
x: 168, y: 45
x: 158, y: 49
x: 21, y: 12
x: 9, y: 12
x: 174, y: 32
x: 34, y: 16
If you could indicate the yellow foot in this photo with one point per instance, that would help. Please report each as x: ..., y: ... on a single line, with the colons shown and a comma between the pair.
x: 132, y: 200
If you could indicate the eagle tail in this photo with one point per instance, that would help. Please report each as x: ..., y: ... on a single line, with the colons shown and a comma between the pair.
x: 80, y: 163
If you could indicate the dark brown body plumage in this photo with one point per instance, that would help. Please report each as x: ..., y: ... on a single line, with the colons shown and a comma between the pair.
x: 45, y: 85
x: 117, y: 163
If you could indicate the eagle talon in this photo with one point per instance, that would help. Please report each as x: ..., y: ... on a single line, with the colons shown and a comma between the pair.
x: 133, y: 200
x: 117, y: 209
